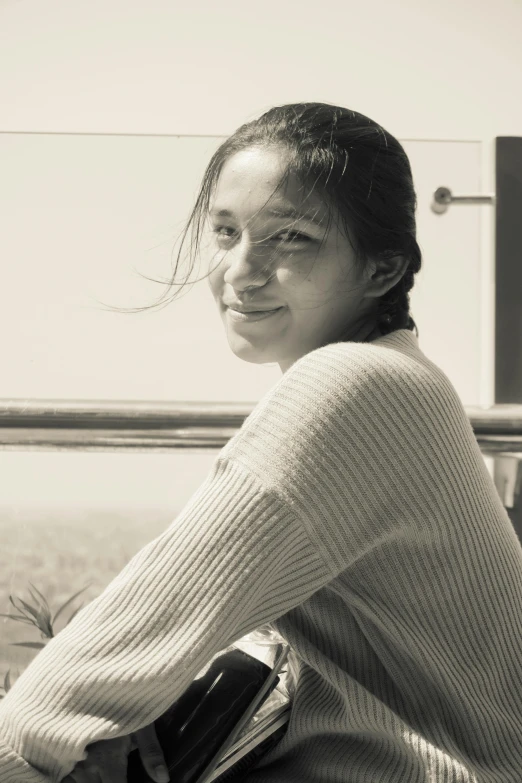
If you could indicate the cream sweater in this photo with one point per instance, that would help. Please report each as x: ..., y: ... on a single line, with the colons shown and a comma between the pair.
x: 354, y: 511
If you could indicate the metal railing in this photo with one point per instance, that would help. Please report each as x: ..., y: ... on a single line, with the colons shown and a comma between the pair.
x: 99, y: 425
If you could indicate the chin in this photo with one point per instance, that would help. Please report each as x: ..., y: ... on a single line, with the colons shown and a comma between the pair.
x: 249, y: 353
x: 254, y: 357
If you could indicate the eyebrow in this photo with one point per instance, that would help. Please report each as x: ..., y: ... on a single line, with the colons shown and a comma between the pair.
x: 282, y: 212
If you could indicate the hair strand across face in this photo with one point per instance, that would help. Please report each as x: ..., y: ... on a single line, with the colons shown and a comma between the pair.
x: 361, y: 172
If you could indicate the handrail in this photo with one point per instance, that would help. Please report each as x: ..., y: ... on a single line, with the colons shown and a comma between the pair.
x: 124, y: 425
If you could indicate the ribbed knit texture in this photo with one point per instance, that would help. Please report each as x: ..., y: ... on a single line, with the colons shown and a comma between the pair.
x: 354, y: 511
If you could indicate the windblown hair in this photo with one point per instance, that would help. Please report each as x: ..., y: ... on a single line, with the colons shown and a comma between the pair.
x: 361, y: 172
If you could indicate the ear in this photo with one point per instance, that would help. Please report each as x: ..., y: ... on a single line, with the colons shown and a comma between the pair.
x: 384, y: 274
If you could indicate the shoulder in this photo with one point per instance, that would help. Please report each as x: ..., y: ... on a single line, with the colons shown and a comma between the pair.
x: 352, y: 427
x: 346, y: 392
x: 391, y: 368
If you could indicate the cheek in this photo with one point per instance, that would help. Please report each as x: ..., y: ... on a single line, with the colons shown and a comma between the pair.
x: 297, y: 276
x: 309, y: 284
x: 331, y: 282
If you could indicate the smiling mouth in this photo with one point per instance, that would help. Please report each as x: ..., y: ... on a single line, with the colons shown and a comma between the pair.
x: 256, y: 315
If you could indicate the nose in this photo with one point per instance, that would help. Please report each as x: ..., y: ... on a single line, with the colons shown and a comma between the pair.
x: 247, y: 266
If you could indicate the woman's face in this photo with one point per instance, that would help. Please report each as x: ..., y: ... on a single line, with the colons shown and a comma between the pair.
x: 268, y: 262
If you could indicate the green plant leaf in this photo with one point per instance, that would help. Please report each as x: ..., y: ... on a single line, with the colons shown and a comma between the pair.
x: 33, y: 645
x: 18, y: 608
x: 42, y: 598
x: 43, y: 618
x: 27, y: 618
x: 29, y: 612
x: 33, y: 610
x: 68, y: 602
x: 74, y: 614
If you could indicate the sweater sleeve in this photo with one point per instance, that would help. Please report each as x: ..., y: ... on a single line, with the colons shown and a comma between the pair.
x: 385, y: 473
x: 359, y: 454
x: 236, y: 557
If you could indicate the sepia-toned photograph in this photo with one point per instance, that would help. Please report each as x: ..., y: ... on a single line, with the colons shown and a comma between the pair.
x: 261, y: 392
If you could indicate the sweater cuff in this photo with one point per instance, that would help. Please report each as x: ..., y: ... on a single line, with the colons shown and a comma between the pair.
x: 15, y: 769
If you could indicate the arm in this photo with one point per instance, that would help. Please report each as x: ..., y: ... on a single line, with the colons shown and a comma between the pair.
x: 360, y: 459
x: 256, y: 540
x: 235, y: 558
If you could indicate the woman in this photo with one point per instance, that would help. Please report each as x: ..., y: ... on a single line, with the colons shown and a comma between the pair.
x: 353, y: 509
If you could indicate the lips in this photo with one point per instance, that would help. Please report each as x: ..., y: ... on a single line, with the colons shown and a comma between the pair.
x: 253, y: 312
x: 252, y: 316
x: 257, y: 309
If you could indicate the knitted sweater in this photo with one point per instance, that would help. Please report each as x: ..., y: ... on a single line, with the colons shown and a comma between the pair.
x: 353, y: 511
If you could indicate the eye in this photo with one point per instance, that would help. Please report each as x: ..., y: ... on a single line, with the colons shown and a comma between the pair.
x: 296, y: 236
x: 218, y: 231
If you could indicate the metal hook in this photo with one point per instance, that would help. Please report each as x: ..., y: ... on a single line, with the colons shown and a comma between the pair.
x: 443, y: 197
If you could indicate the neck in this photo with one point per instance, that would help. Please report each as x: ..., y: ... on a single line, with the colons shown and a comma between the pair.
x: 363, y: 333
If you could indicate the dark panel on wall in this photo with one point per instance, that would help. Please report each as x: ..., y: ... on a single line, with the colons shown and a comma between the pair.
x: 508, y: 255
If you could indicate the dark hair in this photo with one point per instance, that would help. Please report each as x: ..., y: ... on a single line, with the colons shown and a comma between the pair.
x: 357, y: 167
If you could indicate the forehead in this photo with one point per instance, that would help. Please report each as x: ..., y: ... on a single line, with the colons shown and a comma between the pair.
x: 248, y: 181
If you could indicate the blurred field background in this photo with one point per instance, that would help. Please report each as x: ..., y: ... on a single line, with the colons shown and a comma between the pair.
x: 61, y: 552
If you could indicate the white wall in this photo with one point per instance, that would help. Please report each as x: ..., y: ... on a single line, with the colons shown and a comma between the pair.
x: 426, y: 70
x: 423, y: 68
